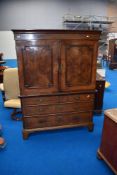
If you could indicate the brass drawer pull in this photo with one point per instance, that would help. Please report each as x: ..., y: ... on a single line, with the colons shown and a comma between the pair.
x: 76, y: 118
x: 59, y: 118
x: 76, y: 108
x: 77, y: 98
x: 59, y: 107
x: 41, y: 109
x: 88, y: 96
x: 42, y: 121
x: 40, y: 100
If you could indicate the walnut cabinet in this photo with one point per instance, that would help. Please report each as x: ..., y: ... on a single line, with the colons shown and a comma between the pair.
x: 57, y: 75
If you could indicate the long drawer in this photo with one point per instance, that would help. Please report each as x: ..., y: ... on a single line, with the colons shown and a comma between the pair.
x: 56, y: 120
x: 57, y: 99
x: 58, y: 108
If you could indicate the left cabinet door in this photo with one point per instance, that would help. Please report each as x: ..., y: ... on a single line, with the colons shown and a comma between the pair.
x: 38, y: 66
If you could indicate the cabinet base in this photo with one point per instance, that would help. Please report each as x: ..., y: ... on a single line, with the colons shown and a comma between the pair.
x: 26, y: 132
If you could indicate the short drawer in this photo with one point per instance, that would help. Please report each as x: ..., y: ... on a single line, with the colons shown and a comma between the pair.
x: 57, y: 120
x: 58, y: 108
x: 73, y: 118
x: 57, y: 99
x: 40, y: 100
x: 76, y: 98
x: 38, y: 122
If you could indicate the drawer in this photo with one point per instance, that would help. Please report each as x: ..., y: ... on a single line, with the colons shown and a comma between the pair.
x: 57, y: 99
x: 38, y: 122
x: 73, y: 118
x: 58, y: 108
x: 75, y: 98
x: 40, y: 100
x: 57, y: 120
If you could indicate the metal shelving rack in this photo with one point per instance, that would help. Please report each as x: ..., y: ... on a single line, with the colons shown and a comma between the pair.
x: 90, y: 22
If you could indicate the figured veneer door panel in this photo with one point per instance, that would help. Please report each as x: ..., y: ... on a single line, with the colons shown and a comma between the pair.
x: 40, y: 67
x: 78, y: 65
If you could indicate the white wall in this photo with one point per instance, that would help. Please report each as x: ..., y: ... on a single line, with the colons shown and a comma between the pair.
x: 112, y: 11
x: 33, y: 14
x: 37, y: 14
x: 7, y: 45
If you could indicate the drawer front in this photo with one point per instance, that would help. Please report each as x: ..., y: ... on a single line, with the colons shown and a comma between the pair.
x: 38, y: 122
x: 77, y: 98
x: 40, y: 100
x: 58, y: 108
x: 56, y: 120
x: 57, y: 99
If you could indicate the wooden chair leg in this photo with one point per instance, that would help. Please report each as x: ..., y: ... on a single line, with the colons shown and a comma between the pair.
x: 14, y: 113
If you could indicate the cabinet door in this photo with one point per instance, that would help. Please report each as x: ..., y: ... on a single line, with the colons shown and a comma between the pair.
x: 38, y: 66
x: 78, y: 65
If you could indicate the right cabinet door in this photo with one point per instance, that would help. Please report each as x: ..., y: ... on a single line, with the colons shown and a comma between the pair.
x: 78, y: 65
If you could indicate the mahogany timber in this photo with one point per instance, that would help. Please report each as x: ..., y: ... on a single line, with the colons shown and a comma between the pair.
x: 57, y: 75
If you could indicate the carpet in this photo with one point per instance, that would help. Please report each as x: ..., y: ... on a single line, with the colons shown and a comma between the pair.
x: 58, y: 152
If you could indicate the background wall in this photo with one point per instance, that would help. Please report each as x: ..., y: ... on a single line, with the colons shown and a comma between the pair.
x: 112, y: 11
x: 27, y: 14
x: 7, y: 45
